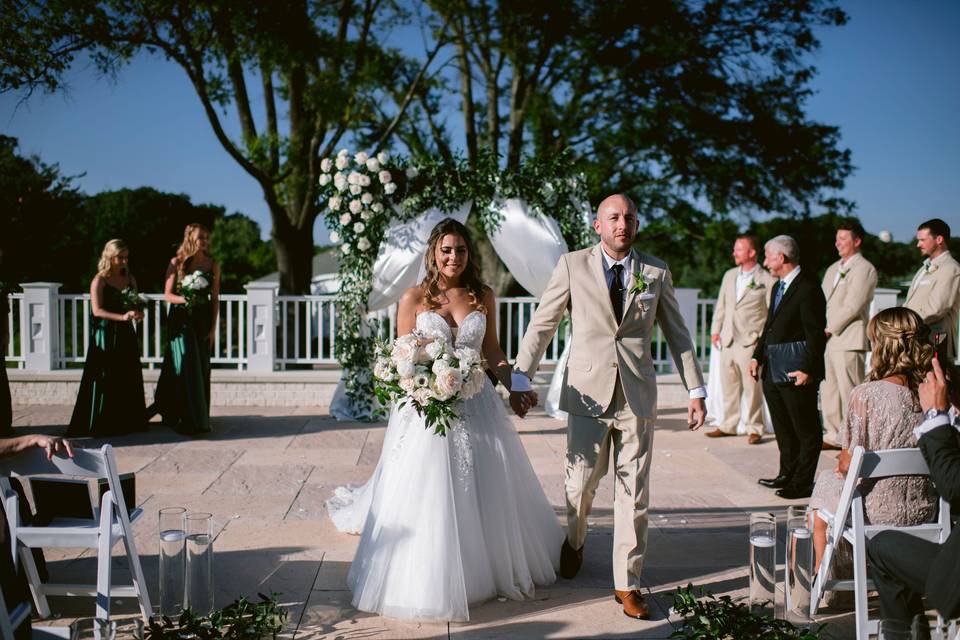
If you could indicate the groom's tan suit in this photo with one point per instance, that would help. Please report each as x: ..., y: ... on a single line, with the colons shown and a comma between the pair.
x: 610, y: 389
x: 935, y: 295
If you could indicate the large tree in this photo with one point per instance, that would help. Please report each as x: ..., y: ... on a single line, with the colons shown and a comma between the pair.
x: 697, y: 107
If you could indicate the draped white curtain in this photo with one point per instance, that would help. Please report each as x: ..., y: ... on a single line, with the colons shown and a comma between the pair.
x: 715, y: 398
x: 529, y: 244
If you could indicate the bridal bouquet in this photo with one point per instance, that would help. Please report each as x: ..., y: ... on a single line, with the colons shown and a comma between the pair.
x: 428, y: 374
x: 195, y: 289
x: 133, y: 300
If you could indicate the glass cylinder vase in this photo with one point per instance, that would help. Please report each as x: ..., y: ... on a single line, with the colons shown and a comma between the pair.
x: 763, y: 564
x: 173, y: 565
x: 798, y: 563
x: 199, y: 594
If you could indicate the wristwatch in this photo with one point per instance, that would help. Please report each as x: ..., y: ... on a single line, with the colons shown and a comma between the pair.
x: 933, y: 413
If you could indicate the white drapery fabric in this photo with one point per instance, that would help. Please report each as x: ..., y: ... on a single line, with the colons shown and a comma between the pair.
x: 715, y: 398
x: 529, y: 244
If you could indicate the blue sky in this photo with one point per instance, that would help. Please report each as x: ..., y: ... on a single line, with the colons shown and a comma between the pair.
x: 888, y: 79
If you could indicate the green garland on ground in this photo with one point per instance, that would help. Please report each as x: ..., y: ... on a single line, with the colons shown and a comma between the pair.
x: 363, y: 195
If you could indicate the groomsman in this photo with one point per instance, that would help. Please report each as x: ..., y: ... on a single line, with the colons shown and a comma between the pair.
x: 848, y: 286
x: 796, y: 319
x: 737, y: 324
x: 935, y: 290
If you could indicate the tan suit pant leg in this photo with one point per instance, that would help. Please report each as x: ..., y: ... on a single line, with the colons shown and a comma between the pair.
x: 740, y: 391
x: 591, y: 444
x: 843, y: 370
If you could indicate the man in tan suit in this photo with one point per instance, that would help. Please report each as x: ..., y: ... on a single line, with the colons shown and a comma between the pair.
x: 935, y: 290
x: 848, y: 287
x: 615, y: 294
x: 738, y: 321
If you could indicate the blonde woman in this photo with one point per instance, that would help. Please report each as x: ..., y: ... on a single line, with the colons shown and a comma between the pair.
x: 883, y: 413
x: 192, y: 287
x: 110, y: 401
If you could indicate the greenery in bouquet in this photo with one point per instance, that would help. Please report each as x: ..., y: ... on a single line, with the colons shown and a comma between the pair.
x: 241, y: 620
x: 195, y: 289
x: 133, y: 300
x: 429, y: 375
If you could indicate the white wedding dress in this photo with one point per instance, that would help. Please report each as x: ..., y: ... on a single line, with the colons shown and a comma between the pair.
x: 448, y: 521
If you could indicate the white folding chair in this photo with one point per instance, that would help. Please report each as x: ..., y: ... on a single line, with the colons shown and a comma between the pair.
x: 110, y: 524
x: 871, y: 465
x: 11, y: 621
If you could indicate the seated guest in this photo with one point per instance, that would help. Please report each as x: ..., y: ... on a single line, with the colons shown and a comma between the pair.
x: 882, y: 415
x: 903, y: 567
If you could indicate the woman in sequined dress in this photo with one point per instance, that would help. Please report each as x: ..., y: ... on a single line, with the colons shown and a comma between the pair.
x: 447, y: 522
x: 883, y: 413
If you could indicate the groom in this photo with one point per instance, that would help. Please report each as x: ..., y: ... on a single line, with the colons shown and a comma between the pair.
x: 615, y: 295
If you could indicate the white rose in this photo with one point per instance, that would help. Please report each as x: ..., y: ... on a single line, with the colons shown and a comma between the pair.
x: 385, y: 177
x: 345, y: 218
x: 363, y: 244
x: 334, y: 236
x: 324, y: 179
x: 405, y: 368
x: 355, y: 189
x: 358, y: 227
x: 342, y: 162
x: 366, y: 214
x: 377, y: 207
x: 340, y: 182
x: 325, y: 165
x: 383, y: 157
x: 366, y: 198
x: 412, y: 172
x: 434, y: 349
x: 406, y: 384
x: 353, y: 178
x: 361, y: 157
x: 364, y: 180
x: 390, y: 188
x: 373, y: 165
x: 449, y: 382
x: 345, y: 248
x: 423, y: 396
x: 467, y: 356
x: 404, y: 350
x: 342, y: 152
x: 334, y: 203
x: 382, y: 370
x: 355, y: 206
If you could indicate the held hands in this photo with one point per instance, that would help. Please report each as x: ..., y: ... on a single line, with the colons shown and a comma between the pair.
x: 933, y: 390
x: 696, y: 413
x: 523, y: 401
x: 799, y: 378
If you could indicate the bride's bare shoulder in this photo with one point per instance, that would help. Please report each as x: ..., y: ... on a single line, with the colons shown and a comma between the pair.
x: 411, y: 298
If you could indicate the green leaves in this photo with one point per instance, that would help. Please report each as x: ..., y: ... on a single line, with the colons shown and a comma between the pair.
x: 241, y: 620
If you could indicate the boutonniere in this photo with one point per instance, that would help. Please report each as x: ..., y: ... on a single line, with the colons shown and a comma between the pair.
x: 752, y: 284
x: 843, y: 274
x: 930, y: 268
x: 640, y: 283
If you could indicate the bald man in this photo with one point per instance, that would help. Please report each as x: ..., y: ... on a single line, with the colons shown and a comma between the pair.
x: 615, y: 294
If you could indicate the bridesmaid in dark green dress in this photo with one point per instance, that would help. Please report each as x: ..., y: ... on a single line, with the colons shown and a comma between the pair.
x: 183, y: 391
x: 110, y: 401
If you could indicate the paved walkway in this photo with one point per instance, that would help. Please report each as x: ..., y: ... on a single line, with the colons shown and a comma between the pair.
x: 265, y: 474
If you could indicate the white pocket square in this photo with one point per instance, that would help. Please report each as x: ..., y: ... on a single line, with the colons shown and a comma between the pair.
x: 646, y: 296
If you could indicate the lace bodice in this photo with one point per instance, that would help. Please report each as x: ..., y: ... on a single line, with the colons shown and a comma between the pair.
x: 468, y: 334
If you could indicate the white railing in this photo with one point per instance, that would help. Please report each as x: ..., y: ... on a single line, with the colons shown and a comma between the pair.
x: 16, y: 320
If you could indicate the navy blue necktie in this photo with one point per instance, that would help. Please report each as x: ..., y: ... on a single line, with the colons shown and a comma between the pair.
x: 778, y: 294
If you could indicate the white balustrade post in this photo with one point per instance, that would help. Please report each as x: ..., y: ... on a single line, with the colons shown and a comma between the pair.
x: 41, y: 332
x: 883, y: 299
x: 261, y: 325
x: 688, y: 301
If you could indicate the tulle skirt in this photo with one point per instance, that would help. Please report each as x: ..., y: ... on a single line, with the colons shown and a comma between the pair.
x: 446, y: 522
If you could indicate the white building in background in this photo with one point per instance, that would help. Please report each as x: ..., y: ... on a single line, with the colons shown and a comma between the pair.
x: 326, y: 274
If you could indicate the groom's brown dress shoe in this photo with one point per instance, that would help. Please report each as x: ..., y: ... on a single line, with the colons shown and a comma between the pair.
x: 633, y: 604
x: 570, y: 560
x: 717, y: 433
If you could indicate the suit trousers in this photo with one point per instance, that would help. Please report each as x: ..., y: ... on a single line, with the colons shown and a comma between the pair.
x: 591, y: 443
x: 900, y: 563
x: 796, y: 425
x: 740, y: 391
x: 843, y: 371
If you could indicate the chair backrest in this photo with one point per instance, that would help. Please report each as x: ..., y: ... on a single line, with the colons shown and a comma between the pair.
x: 9, y: 622
x: 893, y: 462
x: 846, y: 494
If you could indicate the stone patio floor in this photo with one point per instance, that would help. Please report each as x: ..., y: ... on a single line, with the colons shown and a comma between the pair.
x: 265, y: 474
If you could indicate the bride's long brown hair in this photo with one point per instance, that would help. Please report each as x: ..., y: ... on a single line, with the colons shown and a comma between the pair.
x: 470, y: 278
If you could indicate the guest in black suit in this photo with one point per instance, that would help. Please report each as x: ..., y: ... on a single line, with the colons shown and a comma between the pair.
x: 797, y: 313
x: 905, y: 567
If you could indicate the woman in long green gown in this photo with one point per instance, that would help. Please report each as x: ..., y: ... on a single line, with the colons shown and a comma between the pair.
x: 183, y: 391
x: 110, y: 401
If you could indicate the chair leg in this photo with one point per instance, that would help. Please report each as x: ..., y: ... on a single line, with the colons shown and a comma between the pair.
x: 860, y: 589
x: 136, y: 571
x: 104, y: 560
x: 34, y: 582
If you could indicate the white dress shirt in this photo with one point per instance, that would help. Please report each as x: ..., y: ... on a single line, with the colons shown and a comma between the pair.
x: 744, y: 278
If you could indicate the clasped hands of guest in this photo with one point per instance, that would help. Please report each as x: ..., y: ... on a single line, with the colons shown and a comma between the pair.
x: 133, y: 315
x: 800, y: 378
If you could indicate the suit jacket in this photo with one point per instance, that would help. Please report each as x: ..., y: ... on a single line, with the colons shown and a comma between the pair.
x: 941, y: 449
x: 800, y: 316
x: 848, y: 303
x: 601, y: 349
x: 935, y: 295
x: 742, y: 320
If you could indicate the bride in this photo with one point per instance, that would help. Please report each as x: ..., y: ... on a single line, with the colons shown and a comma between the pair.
x: 449, y: 521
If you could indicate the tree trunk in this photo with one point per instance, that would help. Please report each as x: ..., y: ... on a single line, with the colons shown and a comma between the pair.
x: 294, y: 248
x: 492, y: 271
